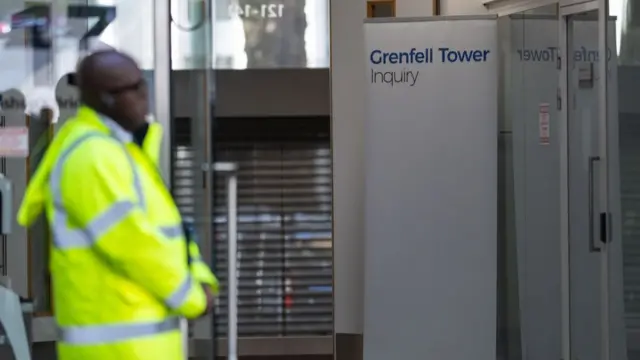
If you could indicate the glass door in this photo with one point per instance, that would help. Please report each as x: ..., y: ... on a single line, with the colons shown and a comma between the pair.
x: 41, y: 43
x: 586, y: 66
x: 624, y: 180
x: 192, y: 99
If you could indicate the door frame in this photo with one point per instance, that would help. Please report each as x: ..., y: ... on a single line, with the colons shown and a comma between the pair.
x: 566, y: 10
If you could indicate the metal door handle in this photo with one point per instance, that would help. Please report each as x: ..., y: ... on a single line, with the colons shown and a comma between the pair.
x: 591, y: 196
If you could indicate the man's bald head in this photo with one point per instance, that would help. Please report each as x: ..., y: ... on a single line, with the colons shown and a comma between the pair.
x: 105, y: 68
x: 112, y: 83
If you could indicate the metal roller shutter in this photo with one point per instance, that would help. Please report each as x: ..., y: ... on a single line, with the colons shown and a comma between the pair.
x: 284, y: 222
x: 185, y: 169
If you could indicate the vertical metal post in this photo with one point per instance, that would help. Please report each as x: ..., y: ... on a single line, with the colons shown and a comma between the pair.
x: 232, y: 224
x: 603, y: 132
x: 162, y: 80
x: 230, y: 170
x: 184, y: 329
x: 162, y: 102
x: 566, y: 43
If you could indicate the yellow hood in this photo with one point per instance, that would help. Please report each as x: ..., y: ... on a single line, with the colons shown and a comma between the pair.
x: 35, y: 196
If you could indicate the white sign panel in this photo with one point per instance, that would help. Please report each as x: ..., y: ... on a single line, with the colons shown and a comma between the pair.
x: 431, y: 189
x: 14, y: 142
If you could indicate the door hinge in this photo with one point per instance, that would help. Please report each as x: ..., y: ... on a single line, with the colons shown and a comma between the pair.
x: 558, y: 100
x: 559, y: 63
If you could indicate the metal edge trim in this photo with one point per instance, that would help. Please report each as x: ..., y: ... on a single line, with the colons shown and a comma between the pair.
x: 429, y: 18
x: 521, y: 16
x: 507, y: 7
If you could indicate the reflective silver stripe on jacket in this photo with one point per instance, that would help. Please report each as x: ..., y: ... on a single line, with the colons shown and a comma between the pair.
x: 179, y: 296
x: 100, y: 334
x: 173, y: 231
x: 66, y: 238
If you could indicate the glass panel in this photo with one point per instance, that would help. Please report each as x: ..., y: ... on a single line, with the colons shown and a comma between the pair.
x: 508, y: 334
x: 251, y: 34
x: 624, y: 190
x: 41, y: 45
x: 530, y: 296
x: 193, y: 99
x: 19, y: 62
x: 587, y: 170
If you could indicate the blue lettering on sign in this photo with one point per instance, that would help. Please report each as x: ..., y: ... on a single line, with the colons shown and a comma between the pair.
x: 462, y: 56
x: 551, y: 53
x: 414, y: 56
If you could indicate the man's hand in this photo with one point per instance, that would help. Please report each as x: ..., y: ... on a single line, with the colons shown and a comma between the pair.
x: 211, y: 300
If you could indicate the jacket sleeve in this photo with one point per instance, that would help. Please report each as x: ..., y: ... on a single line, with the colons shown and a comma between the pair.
x: 200, y: 270
x: 100, y: 196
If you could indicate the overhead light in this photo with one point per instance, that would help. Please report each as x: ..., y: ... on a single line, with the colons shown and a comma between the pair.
x: 5, y: 28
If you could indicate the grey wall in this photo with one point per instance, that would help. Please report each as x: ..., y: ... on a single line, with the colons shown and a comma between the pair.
x: 299, y: 92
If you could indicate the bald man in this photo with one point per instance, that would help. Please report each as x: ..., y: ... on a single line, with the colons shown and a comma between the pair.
x: 124, y: 271
x: 112, y: 84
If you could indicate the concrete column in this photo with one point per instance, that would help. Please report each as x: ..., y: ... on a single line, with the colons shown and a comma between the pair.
x: 347, y: 116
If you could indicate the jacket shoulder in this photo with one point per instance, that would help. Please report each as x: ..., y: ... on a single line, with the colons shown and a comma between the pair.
x: 88, y: 150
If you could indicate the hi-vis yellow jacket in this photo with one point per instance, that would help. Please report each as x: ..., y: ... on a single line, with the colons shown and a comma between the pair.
x: 118, y: 254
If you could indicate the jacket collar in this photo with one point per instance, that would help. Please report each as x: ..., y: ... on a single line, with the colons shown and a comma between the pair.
x: 104, y: 123
x: 116, y: 130
x: 152, y: 141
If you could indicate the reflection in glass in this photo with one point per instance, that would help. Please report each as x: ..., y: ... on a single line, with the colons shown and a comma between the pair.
x: 246, y: 33
x: 529, y: 191
x: 41, y: 44
x: 271, y: 34
x: 626, y: 141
